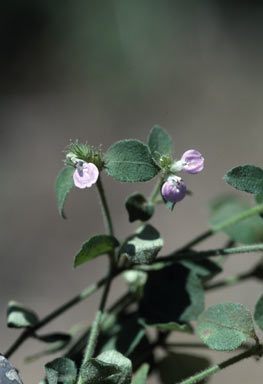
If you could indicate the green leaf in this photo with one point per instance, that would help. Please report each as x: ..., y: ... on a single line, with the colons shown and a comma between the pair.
x: 140, y: 376
x: 20, y: 317
x: 130, y: 161
x: 259, y: 199
x: 59, y: 343
x: 54, y: 337
x: 225, y: 326
x: 64, y: 183
x: 159, y: 143
x: 144, y: 246
x: 247, y: 231
x: 171, y: 326
x: 61, y: 370
x: 258, y: 314
x: 109, y: 367
x: 246, y: 178
x: 172, y: 294
x: 169, y: 205
x: 206, y: 269
x: 138, y: 207
x: 97, y: 245
x: 176, y: 367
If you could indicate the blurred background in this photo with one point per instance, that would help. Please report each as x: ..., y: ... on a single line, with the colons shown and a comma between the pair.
x: 102, y: 71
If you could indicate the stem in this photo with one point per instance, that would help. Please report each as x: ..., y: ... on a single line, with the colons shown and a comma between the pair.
x: 191, y: 255
x: 54, y: 314
x: 220, y: 227
x: 105, y: 208
x: 97, y: 321
x: 230, y: 280
x: 210, y: 371
x: 156, y: 190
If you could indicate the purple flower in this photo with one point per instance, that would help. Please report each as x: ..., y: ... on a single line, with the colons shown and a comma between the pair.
x: 174, y: 189
x: 192, y: 161
x: 85, y: 175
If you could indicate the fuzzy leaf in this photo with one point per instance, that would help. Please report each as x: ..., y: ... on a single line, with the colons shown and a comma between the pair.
x: 20, y: 317
x: 140, y: 376
x: 130, y: 161
x: 159, y: 143
x: 61, y: 370
x: 138, y: 207
x: 224, y: 327
x: 172, y: 294
x: 247, y: 231
x: 8, y: 374
x: 144, y: 246
x: 246, y: 178
x: 64, y: 183
x: 258, y: 314
x: 109, y: 367
x: 97, y: 245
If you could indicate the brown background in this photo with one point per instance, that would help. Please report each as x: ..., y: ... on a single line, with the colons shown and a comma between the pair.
x: 105, y: 71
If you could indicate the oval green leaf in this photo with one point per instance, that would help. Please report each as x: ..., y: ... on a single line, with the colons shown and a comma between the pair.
x: 64, y: 183
x: 130, y: 161
x: 140, y: 375
x: 247, y: 231
x: 225, y: 326
x: 97, y: 245
x: 247, y: 178
x: 159, y: 143
x: 143, y: 247
x: 19, y: 316
x: 61, y: 370
x: 138, y: 207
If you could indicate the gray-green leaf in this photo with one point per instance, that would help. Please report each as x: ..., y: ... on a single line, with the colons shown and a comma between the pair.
x: 248, y: 178
x: 258, y: 314
x: 64, y: 183
x: 159, y: 143
x: 130, y: 161
x: 140, y: 376
x: 61, y: 370
x: 247, y: 231
x: 20, y: 317
x: 109, y: 367
x: 144, y: 246
x: 97, y: 245
x: 138, y: 207
x: 225, y: 326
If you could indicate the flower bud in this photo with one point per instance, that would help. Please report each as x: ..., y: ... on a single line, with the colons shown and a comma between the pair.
x: 174, y: 189
x: 192, y: 161
x: 85, y: 175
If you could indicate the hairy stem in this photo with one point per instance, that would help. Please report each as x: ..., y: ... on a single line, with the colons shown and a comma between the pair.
x: 105, y: 208
x: 156, y: 191
x: 210, y: 371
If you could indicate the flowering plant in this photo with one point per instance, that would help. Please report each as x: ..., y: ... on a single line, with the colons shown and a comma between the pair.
x: 165, y: 294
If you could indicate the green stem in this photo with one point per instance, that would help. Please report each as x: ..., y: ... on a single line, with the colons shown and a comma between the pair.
x: 220, y: 227
x: 156, y: 191
x: 210, y: 371
x: 105, y: 208
x: 230, y: 280
x: 191, y: 255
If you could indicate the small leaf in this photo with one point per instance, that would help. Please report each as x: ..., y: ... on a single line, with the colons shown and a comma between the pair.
x: 246, y: 178
x: 172, y: 294
x: 144, y: 246
x: 224, y: 327
x: 171, y: 326
x: 140, y: 376
x: 130, y: 161
x: 109, y: 367
x: 97, y: 245
x: 159, y: 143
x: 8, y: 374
x: 64, y: 183
x: 205, y: 269
x: 61, y: 370
x: 247, y: 231
x: 54, y: 337
x: 20, y: 317
x: 169, y: 205
x: 138, y: 207
x: 258, y: 314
